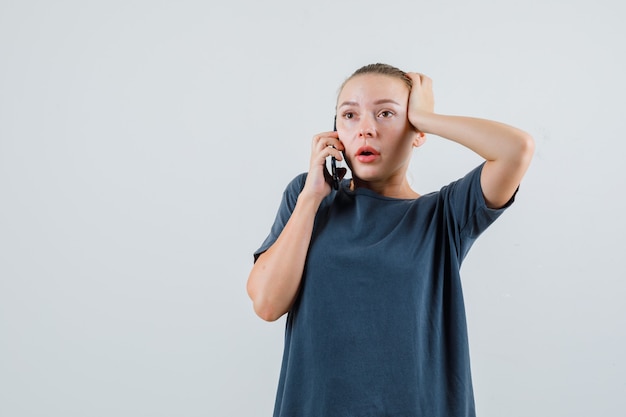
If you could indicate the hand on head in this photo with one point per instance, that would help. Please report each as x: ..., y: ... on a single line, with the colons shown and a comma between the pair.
x: 421, y: 98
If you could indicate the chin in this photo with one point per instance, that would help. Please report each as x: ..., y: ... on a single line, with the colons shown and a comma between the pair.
x: 364, y: 175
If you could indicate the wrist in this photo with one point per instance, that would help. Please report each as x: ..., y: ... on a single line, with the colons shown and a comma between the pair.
x: 309, y: 202
x: 420, y: 119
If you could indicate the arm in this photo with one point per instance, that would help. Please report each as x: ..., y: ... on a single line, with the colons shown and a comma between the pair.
x: 275, y: 278
x: 506, y: 149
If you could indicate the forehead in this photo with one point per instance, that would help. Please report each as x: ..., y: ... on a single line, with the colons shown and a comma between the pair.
x: 369, y: 87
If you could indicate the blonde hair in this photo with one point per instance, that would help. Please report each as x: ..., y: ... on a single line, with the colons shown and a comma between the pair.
x: 382, y: 69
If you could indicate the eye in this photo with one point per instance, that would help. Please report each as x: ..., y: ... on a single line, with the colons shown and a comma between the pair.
x: 348, y: 115
x: 386, y: 114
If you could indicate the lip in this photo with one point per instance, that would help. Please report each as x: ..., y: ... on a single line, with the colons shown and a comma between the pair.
x: 366, y: 154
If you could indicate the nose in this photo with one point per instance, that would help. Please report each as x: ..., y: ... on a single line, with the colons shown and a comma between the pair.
x: 367, y: 127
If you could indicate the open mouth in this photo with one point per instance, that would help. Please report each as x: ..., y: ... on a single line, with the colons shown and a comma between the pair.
x: 367, y: 154
x: 367, y: 151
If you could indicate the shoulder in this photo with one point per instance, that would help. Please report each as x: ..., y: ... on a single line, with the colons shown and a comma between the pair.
x: 295, y: 186
x: 297, y: 183
x: 468, y: 181
x: 467, y: 191
x: 292, y: 191
x: 466, y: 206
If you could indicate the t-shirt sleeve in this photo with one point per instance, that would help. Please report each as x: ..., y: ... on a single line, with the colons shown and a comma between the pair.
x: 287, y: 205
x: 468, y: 209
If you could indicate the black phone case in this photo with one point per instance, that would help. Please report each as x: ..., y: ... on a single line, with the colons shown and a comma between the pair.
x: 333, y: 163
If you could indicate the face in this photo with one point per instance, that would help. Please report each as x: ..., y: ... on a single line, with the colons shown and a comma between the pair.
x: 373, y: 125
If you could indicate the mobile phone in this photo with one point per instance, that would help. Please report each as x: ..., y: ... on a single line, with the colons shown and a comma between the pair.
x: 333, y: 163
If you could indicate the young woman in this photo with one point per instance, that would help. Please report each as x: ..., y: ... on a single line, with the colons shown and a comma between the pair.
x: 369, y: 273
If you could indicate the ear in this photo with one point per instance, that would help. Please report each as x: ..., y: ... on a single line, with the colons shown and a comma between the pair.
x: 419, y: 140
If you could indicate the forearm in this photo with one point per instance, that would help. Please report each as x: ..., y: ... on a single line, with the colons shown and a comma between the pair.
x: 275, y: 278
x: 507, y: 150
x: 492, y: 140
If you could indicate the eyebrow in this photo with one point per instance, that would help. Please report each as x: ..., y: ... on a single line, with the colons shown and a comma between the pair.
x: 377, y: 102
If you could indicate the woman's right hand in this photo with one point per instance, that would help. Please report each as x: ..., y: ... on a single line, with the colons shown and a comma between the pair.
x: 277, y: 273
x: 318, y: 181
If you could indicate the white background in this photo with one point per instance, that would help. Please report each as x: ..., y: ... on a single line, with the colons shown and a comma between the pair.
x: 144, y: 147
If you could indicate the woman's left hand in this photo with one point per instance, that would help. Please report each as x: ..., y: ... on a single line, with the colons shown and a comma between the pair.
x: 421, y: 98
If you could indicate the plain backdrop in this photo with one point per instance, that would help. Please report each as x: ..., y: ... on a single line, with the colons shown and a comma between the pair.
x: 145, y: 145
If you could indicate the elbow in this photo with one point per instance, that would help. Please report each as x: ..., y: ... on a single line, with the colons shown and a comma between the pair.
x: 526, y: 146
x: 263, y: 307
x: 266, y: 309
x: 267, y: 313
x: 521, y: 151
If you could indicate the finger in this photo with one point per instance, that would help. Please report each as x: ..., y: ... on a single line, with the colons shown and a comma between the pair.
x: 325, y: 137
x: 334, y: 152
x: 321, y: 157
x: 321, y: 137
x: 419, y: 78
x: 415, y: 77
x: 324, y: 142
x: 330, y: 152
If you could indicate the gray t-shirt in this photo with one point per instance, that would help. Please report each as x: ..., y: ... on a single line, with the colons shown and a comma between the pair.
x: 379, y: 327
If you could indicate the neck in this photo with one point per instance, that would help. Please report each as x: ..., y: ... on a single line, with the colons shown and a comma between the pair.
x: 400, y: 189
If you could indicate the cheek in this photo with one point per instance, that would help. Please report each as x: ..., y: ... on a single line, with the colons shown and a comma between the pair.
x: 345, y: 131
x: 348, y: 152
x: 350, y: 148
x: 402, y: 149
